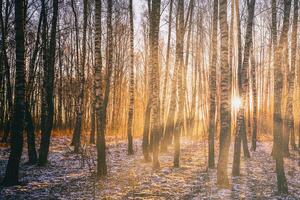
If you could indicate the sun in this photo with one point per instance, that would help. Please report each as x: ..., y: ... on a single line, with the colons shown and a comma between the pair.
x: 236, y: 102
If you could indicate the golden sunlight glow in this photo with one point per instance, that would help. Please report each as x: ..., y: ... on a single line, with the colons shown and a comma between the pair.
x: 236, y: 102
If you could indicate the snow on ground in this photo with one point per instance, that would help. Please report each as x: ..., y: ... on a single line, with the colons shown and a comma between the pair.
x: 71, y: 176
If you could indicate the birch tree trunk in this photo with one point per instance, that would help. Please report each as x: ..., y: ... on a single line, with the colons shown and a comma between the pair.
x: 154, y: 65
x: 101, y: 164
x: 213, y: 88
x: 131, y: 83
x: 243, y: 83
x: 179, y: 62
x: 225, y: 118
x: 278, y: 87
x: 101, y: 143
x: 289, y: 113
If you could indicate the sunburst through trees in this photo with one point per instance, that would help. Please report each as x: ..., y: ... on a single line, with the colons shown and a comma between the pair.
x: 168, y: 91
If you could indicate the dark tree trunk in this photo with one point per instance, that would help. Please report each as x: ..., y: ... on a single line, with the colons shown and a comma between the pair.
x: 48, y: 90
x: 30, y: 128
x: 101, y: 144
x: 9, y: 99
x: 32, y: 155
x: 12, y: 170
x: 79, y: 114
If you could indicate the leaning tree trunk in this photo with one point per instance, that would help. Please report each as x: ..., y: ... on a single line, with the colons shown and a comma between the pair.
x: 278, y: 87
x: 243, y: 136
x: 225, y: 129
x: 101, y: 143
x: 243, y: 85
x: 212, y: 89
x: 12, y: 170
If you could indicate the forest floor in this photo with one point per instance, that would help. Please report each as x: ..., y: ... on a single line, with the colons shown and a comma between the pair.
x: 71, y: 176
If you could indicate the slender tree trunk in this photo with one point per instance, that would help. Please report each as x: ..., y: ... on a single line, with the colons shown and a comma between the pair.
x: 101, y: 143
x: 12, y: 170
x: 145, y: 143
x: 131, y: 83
x: 180, y: 64
x: 48, y: 90
x: 188, y: 118
x: 243, y: 85
x: 274, y: 44
x: 213, y: 88
x: 30, y: 127
x: 60, y: 86
x: 93, y: 120
x: 225, y: 129
x: 167, y: 63
x: 289, y: 118
x: 9, y: 99
x: 154, y: 65
x: 78, y: 124
x: 169, y: 125
x: 32, y: 155
x: 278, y: 87
x: 147, y: 116
x: 254, y: 94
x: 75, y: 142
x: 1, y: 79
x: 101, y: 162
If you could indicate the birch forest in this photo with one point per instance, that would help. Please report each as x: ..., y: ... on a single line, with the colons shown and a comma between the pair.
x: 149, y: 99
